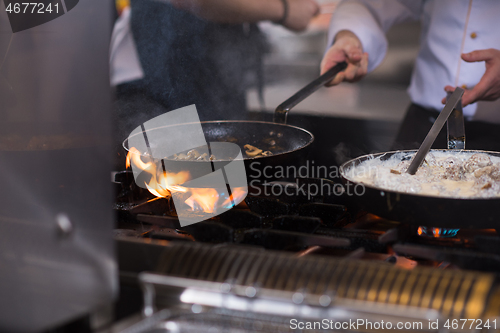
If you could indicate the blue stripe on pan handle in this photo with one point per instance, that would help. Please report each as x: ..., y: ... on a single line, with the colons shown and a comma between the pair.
x: 456, y: 127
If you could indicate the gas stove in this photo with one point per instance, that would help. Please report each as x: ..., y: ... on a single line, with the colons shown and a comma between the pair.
x: 291, y: 256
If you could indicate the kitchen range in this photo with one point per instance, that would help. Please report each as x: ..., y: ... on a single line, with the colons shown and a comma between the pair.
x: 297, y: 247
x: 298, y: 251
x: 302, y: 251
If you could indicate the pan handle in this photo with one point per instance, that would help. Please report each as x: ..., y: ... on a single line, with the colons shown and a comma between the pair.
x: 281, y: 112
x: 456, y: 129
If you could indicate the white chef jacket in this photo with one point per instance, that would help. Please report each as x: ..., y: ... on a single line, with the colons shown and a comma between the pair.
x: 124, y: 62
x: 449, y: 28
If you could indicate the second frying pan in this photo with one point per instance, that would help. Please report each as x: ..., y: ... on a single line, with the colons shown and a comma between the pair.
x: 425, y: 210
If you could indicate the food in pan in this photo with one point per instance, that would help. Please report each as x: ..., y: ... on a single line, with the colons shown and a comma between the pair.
x: 193, y: 155
x: 252, y: 151
x: 444, y: 174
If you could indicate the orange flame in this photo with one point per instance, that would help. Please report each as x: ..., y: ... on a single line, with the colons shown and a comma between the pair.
x: 163, y: 184
x: 203, y: 199
x: 169, y: 181
x: 238, y: 193
x: 134, y: 156
x: 166, y: 183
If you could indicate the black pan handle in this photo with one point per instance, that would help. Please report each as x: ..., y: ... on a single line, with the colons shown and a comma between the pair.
x: 282, y: 110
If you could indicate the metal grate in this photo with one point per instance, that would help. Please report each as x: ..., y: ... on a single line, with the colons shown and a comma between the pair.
x: 452, y: 293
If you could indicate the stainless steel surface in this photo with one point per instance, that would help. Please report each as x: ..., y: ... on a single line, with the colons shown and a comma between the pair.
x: 456, y: 128
x: 56, y: 251
x: 275, y: 273
x: 206, y: 298
x: 252, y: 290
x: 434, y: 131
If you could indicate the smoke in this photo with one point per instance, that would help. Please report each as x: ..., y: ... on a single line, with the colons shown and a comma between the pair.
x: 344, y: 153
x: 130, y: 111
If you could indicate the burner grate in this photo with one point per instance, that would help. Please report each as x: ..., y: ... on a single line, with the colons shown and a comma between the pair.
x: 453, y: 293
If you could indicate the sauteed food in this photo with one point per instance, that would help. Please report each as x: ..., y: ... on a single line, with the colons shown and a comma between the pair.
x: 252, y: 151
x: 194, y: 155
x: 445, y: 174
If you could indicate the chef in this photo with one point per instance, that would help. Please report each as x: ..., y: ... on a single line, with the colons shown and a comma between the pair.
x: 459, y: 47
x: 200, y: 52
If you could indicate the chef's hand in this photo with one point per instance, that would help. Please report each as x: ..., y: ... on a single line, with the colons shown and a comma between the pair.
x: 488, y: 88
x: 346, y: 47
x: 300, y: 13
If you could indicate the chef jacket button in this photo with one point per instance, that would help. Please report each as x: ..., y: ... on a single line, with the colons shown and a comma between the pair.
x: 473, y: 35
x: 464, y: 86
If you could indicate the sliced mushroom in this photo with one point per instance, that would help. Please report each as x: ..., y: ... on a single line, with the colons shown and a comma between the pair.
x: 477, y: 161
x: 202, y: 157
x: 181, y: 157
x: 492, y: 171
x: 486, y: 186
x: 252, y: 151
x: 193, y: 154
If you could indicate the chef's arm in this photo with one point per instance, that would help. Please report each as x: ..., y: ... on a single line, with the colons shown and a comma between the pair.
x: 357, y: 34
x: 297, y: 13
x: 488, y: 88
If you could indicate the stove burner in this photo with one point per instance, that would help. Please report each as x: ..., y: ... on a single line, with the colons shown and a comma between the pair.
x: 437, y: 232
x: 309, y: 225
x: 311, y: 251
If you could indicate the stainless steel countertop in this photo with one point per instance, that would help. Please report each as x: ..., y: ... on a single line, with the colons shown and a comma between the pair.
x: 367, y: 100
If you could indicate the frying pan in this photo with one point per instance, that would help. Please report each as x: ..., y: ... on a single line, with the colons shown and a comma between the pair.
x: 422, y: 210
x: 289, y: 144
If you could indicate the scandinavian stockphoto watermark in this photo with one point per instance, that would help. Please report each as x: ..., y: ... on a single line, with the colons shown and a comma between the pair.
x: 320, y: 180
x: 201, y: 187
x: 323, y: 187
x: 24, y: 15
